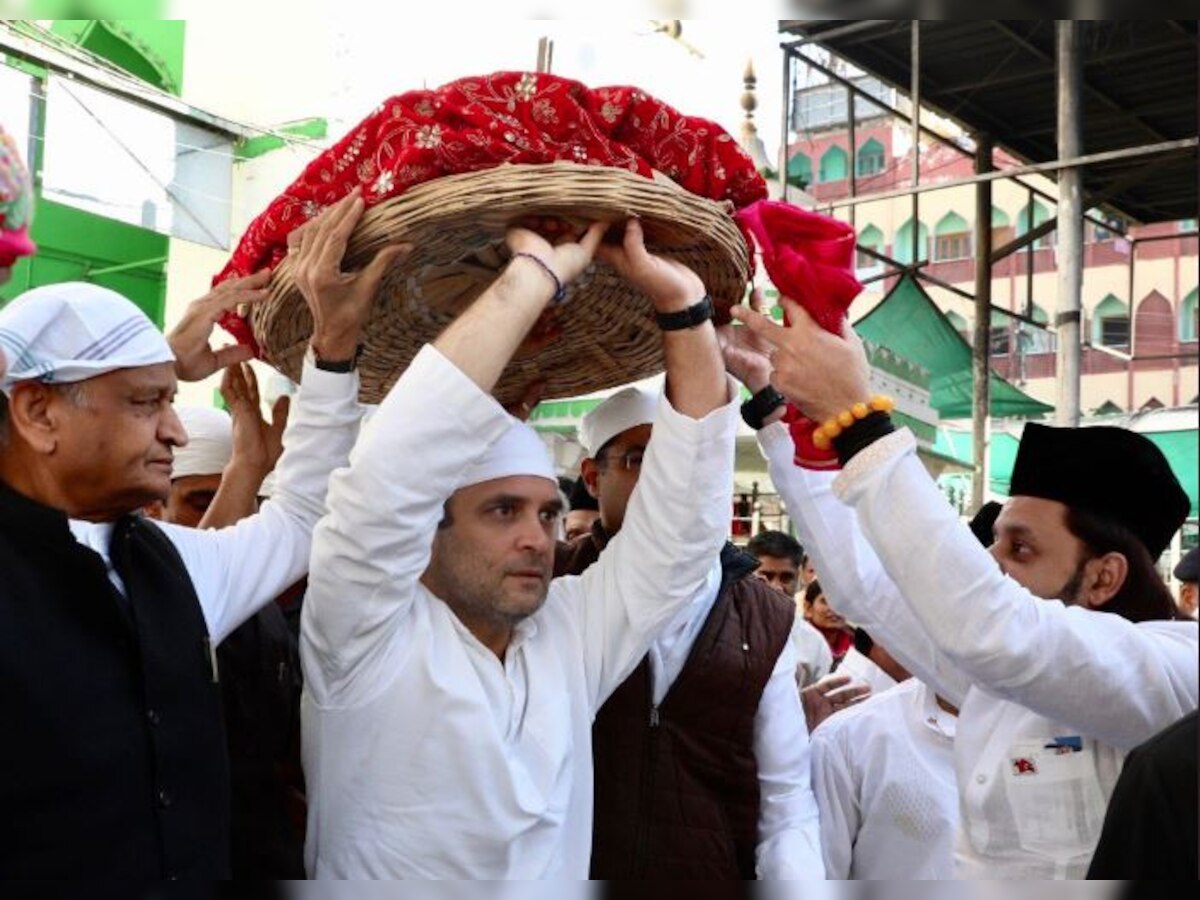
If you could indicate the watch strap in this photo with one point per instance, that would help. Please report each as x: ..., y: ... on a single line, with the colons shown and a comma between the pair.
x: 696, y: 314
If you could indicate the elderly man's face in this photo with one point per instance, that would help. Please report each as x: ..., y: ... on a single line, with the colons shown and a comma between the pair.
x: 115, y: 445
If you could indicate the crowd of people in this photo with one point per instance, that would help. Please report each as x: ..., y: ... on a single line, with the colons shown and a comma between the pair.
x: 386, y: 662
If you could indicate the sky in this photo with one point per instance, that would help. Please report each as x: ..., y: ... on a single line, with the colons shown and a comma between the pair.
x: 700, y: 74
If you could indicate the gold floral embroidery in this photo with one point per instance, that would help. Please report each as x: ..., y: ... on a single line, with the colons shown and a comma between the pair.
x: 543, y: 112
x: 527, y: 86
x: 428, y: 136
x: 609, y: 112
x: 384, y: 183
x: 424, y: 108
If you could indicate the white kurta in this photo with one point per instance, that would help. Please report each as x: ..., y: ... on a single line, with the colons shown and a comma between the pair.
x: 1050, y: 697
x: 883, y: 772
x: 864, y: 671
x: 238, y: 570
x: 426, y: 756
x: 814, y: 659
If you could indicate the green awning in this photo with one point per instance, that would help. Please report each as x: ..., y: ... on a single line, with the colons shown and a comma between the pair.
x: 1181, y: 449
x: 910, y: 324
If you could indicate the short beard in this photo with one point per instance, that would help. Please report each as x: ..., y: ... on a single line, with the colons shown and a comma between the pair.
x: 1069, y: 592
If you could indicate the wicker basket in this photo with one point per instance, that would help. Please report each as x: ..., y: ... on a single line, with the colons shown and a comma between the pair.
x: 457, y: 226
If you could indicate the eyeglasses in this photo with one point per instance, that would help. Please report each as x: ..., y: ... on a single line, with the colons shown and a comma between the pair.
x: 630, y: 460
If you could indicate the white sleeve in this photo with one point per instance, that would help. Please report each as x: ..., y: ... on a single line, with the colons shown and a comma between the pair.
x: 373, y: 545
x: 1114, y: 680
x: 849, y: 569
x: 674, y: 527
x: 836, y: 788
x: 789, y: 841
x: 814, y: 659
x: 239, y: 569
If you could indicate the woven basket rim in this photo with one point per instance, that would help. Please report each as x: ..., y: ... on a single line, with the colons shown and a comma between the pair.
x: 696, y: 229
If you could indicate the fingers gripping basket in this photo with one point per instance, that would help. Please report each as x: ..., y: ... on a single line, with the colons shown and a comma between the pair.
x: 456, y: 224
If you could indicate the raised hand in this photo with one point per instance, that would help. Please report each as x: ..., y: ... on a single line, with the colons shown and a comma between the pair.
x: 557, y: 247
x: 340, y: 302
x: 257, y: 444
x: 194, y: 358
x: 747, y: 355
x: 829, y: 695
x: 821, y: 373
x: 670, y: 285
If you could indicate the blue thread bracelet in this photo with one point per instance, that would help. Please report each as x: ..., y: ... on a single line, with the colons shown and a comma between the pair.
x: 560, y: 289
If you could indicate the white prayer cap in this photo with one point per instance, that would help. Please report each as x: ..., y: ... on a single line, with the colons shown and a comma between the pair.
x: 627, y: 408
x: 518, y: 452
x: 210, y: 441
x: 74, y: 331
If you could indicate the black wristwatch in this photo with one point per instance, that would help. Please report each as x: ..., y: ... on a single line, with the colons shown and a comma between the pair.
x: 696, y: 314
x: 341, y: 366
x: 762, y: 404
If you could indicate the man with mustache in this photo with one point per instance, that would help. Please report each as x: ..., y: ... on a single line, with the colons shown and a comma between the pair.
x: 113, y: 763
x: 701, y: 755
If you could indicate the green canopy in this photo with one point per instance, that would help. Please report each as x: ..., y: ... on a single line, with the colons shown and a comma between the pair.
x: 910, y: 324
x: 1179, y: 447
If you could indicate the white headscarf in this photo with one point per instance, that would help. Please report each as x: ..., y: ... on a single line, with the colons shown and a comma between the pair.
x: 519, y: 452
x: 210, y: 441
x: 74, y: 331
x: 627, y: 408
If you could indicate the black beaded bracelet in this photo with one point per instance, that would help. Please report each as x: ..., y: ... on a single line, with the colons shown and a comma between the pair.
x: 861, y: 435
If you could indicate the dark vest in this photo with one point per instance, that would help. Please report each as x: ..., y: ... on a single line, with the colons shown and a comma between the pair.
x: 676, y: 787
x: 112, y: 760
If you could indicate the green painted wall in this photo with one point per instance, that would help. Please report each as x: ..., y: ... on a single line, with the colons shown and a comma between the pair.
x: 150, y: 49
x: 72, y: 243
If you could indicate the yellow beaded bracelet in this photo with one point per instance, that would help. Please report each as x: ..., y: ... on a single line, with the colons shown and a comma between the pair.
x: 823, y: 436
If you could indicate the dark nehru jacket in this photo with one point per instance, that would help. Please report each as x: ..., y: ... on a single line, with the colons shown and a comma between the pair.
x: 112, y: 760
x: 676, y: 786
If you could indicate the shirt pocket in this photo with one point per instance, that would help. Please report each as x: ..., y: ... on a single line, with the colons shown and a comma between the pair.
x: 1055, y: 795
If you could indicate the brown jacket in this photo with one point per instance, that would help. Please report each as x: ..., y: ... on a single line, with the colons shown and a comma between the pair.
x: 676, y: 786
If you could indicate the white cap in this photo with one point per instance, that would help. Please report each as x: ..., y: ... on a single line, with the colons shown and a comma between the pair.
x: 74, y: 331
x: 518, y: 452
x: 627, y: 408
x: 210, y: 442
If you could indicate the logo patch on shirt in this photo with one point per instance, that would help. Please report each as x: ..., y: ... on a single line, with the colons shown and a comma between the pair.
x: 1024, y: 765
x: 1064, y: 745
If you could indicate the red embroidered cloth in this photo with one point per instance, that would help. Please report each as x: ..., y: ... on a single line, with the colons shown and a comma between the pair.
x: 482, y: 122
x: 810, y: 258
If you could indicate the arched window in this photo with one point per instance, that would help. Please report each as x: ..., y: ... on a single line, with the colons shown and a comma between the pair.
x: 834, y: 165
x: 799, y: 170
x: 869, y: 237
x: 1110, y: 323
x: 1188, y: 320
x: 1154, y: 327
x: 951, y: 237
x: 870, y: 158
x: 902, y: 247
x: 1032, y: 215
x: 1002, y: 231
